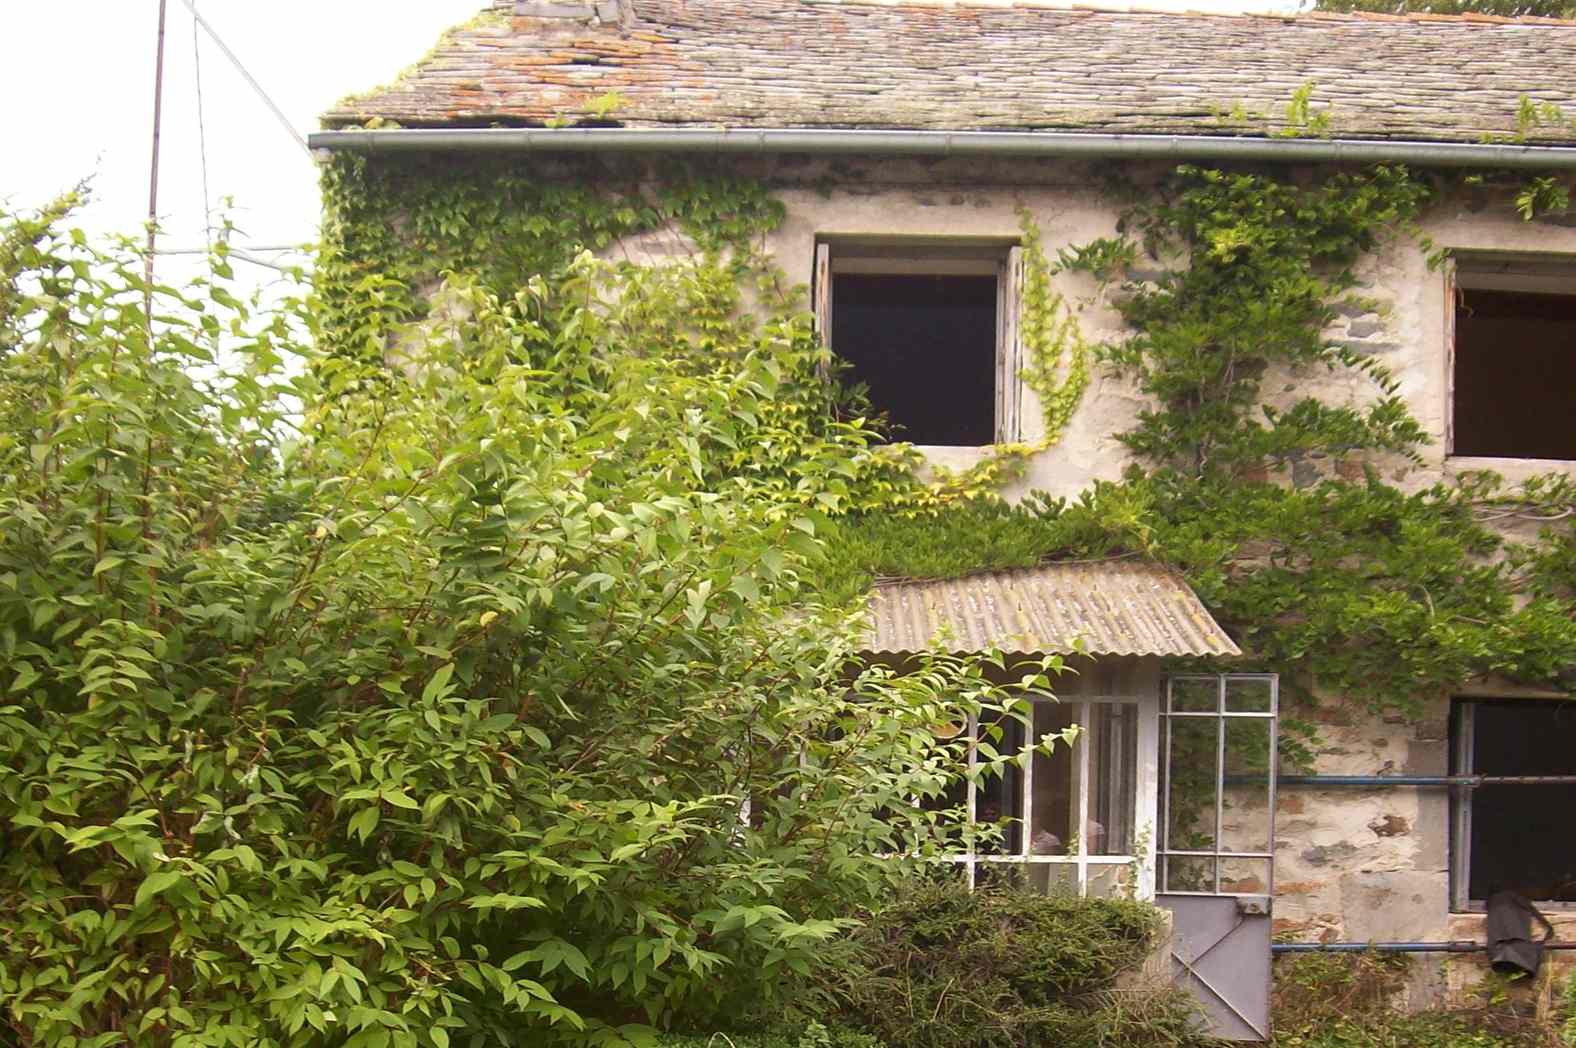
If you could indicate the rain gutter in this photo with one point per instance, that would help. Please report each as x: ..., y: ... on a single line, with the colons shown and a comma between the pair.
x: 844, y: 142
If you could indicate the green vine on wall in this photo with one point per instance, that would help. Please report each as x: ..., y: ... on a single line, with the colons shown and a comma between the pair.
x: 1280, y: 507
x: 1055, y: 354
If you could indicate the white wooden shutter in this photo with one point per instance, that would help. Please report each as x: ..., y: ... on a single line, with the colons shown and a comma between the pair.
x: 821, y: 293
x: 1009, y: 349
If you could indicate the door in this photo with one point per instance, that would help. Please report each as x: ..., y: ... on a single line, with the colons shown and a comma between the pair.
x: 1216, y: 857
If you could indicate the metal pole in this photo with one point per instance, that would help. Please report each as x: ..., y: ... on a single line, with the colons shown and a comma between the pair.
x: 153, y: 174
x: 1466, y: 781
x: 1455, y: 946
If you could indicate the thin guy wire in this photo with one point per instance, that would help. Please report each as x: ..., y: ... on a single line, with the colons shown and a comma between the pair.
x: 250, y: 79
x: 202, y: 141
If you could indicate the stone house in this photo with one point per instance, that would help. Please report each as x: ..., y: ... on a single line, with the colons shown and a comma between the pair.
x: 903, y: 139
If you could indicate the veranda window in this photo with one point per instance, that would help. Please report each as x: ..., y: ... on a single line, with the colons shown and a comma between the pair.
x: 1075, y: 820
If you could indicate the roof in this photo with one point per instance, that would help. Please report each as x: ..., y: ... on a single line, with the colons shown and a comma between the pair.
x: 1105, y: 608
x: 978, y: 66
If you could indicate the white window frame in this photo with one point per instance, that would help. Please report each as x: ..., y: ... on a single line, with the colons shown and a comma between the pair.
x: 1462, y: 714
x: 1223, y: 715
x: 1144, y: 783
x: 929, y: 257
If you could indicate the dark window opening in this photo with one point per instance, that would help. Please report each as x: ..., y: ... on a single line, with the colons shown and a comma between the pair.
x: 1515, y: 374
x: 925, y: 348
x: 1520, y: 836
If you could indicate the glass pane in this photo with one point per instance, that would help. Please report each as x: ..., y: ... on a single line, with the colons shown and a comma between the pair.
x: 952, y: 814
x: 1245, y: 816
x: 1249, y: 694
x: 1113, y: 772
x: 1245, y: 876
x: 1110, y: 880
x: 998, y: 798
x: 1193, y: 743
x: 1055, y: 783
x: 1521, y: 835
x: 1054, y: 878
x: 1013, y: 875
x: 1195, y: 694
x: 1188, y: 873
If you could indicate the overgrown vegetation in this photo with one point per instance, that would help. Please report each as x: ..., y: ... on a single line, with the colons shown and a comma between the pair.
x: 400, y: 675
x: 1502, y: 8
x: 1347, y: 1001
x: 484, y: 702
x: 1387, y: 594
x: 1007, y: 968
x: 1391, y: 593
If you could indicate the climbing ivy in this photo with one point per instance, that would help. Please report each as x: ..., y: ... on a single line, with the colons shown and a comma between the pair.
x: 1344, y: 581
x: 1056, y: 357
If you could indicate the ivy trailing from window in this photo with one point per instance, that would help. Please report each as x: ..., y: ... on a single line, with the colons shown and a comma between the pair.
x: 1055, y: 354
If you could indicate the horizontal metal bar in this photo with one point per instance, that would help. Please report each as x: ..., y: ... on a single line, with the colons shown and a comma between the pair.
x: 843, y: 141
x: 1455, y: 946
x: 1467, y: 781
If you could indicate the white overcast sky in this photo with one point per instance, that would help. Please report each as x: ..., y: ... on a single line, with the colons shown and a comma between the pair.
x: 76, y: 77
x: 77, y: 80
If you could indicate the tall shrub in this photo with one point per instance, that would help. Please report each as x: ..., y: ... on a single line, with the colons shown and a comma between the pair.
x: 473, y: 702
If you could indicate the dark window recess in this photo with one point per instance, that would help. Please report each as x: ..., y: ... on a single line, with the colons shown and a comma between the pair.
x: 1515, y: 374
x: 1522, y: 835
x: 925, y: 347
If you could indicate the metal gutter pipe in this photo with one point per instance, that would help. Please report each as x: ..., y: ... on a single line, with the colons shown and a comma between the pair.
x: 1468, y: 781
x: 1456, y: 946
x: 844, y: 142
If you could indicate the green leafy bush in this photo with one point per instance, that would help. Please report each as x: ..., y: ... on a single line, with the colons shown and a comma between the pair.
x: 941, y: 967
x: 1347, y: 1001
x: 478, y: 704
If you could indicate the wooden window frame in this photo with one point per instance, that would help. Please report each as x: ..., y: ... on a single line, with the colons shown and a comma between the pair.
x: 928, y: 257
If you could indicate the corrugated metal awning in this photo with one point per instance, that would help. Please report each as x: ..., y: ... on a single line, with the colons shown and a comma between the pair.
x: 1110, y: 608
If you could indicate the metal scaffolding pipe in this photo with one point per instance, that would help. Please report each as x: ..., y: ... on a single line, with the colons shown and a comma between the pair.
x: 873, y: 142
x: 1454, y: 946
x: 1466, y: 781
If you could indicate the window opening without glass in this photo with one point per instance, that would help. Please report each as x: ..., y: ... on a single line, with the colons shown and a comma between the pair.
x: 1513, y: 356
x: 930, y: 329
x: 1218, y: 785
x: 1516, y: 837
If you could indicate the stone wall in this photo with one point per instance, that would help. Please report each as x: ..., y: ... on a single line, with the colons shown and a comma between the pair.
x: 1403, y: 320
x: 1351, y: 864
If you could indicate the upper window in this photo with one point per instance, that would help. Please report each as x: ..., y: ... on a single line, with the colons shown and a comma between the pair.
x: 927, y: 329
x: 1514, y: 360
x: 1514, y: 836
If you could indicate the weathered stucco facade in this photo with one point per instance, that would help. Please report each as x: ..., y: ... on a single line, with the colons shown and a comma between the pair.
x: 1353, y: 864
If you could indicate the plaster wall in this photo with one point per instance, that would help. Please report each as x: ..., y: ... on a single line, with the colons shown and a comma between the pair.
x: 1351, y: 864
x: 1401, y: 322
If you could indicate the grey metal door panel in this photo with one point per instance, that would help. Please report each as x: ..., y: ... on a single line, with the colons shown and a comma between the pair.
x: 1220, y: 952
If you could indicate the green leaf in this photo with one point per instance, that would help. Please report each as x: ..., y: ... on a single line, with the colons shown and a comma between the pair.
x: 156, y: 884
x: 400, y: 799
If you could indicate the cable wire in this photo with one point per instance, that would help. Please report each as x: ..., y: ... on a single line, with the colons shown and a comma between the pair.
x: 202, y: 139
x: 278, y: 113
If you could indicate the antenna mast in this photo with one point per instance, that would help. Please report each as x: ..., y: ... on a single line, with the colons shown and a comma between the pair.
x: 153, y: 176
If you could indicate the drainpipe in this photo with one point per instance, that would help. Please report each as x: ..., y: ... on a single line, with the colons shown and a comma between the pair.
x: 844, y: 142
